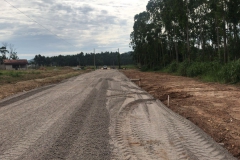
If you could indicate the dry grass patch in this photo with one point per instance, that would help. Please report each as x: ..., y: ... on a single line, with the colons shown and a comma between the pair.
x: 12, y: 82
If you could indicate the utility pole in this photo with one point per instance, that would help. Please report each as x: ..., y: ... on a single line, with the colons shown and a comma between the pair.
x: 94, y: 60
x: 119, y: 63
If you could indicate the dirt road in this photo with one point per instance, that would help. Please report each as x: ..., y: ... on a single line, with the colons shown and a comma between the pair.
x: 99, y: 115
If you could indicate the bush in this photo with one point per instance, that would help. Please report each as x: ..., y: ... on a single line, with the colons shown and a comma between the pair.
x: 194, y: 69
x: 209, y: 71
x: 230, y: 73
x: 198, y: 68
x: 172, y: 67
x: 144, y: 68
x: 156, y: 68
x: 182, y: 69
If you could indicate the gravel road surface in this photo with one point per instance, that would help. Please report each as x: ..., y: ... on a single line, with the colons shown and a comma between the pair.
x: 100, y: 115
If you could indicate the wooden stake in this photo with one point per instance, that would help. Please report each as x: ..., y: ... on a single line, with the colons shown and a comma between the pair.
x: 168, y: 100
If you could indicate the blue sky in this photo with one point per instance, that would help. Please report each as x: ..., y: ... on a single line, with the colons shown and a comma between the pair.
x: 68, y: 26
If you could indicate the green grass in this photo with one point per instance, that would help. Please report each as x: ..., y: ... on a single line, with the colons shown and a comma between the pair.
x: 208, y: 78
x: 207, y: 71
x: 11, y: 73
x: 18, y: 73
x: 14, y: 76
x: 32, y: 78
x: 35, y: 72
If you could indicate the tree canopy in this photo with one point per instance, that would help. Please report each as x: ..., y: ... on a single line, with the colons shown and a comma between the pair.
x: 186, y: 30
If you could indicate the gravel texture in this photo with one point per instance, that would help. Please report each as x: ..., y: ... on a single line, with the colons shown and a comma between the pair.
x: 99, y: 115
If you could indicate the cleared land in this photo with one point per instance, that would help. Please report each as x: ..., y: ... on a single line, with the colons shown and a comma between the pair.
x: 98, y: 115
x: 213, y: 107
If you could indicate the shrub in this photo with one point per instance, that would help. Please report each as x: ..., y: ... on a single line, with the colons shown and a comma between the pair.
x: 209, y: 71
x: 182, y: 68
x: 144, y: 68
x: 172, y: 67
x: 156, y: 68
x: 198, y: 68
x: 194, y: 69
x: 230, y: 73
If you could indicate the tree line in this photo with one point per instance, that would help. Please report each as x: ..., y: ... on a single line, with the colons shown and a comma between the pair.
x: 85, y: 59
x: 186, y: 30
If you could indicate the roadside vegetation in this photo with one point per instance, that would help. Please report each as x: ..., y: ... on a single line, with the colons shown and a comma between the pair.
x: 189, y: 38
x: 207, y: 71
x: 14, y: 76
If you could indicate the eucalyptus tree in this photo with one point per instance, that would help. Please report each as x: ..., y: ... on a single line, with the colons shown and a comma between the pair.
x: 170, y: 24
x: 224, y: 29
x: 178, y: 30
x: 138, y: 37
x: 233, y: 16
x: 156, y: 27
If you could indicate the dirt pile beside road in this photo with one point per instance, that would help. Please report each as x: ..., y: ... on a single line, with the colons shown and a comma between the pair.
x: 211, y: 106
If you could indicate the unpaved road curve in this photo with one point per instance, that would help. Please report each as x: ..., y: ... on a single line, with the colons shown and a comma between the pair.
x: 99, y: 115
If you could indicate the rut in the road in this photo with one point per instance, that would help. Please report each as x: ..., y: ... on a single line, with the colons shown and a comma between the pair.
x: 87, y: 131
x: 142, y: 128
x: 100, y: 115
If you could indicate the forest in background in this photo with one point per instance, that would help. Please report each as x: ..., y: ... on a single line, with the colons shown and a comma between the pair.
x: 190, y: 37
x: 85, y: 59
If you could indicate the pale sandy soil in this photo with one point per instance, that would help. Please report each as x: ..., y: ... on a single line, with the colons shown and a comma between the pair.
x: 213, y: 107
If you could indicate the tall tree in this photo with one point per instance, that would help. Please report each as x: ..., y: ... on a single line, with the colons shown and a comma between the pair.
x: 3, y: 51
x: 178, y: 30
x: 12, y: 52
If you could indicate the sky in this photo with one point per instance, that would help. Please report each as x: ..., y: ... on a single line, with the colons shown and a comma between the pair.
x: 68, y: 27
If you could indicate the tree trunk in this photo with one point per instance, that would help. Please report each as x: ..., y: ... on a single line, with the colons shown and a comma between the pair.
x: 224, y: 33
x: 235, y: 41
x: 218, y: 45
x: 175, y: 43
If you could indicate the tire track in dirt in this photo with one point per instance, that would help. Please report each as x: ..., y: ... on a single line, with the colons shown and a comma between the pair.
x: 213, y: 107
x: 90, y: 122
x: 143, y: 128
x: 21, y: 122
x: 36, y: 120
x: 104, y: 116
x: 34, y: 132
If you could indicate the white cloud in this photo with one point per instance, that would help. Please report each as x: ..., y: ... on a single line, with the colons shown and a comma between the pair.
x: 72, y: 26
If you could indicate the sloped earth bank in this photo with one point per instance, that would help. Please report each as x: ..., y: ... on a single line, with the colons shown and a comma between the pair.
x: 98, y: 115
x: 214, y: 107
